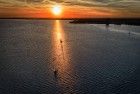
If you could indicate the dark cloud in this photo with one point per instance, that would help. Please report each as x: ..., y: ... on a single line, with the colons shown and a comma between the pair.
x: 58, y: 1
x: 37, y: 1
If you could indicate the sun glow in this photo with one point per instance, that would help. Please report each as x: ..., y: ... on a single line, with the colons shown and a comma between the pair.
x: 56, y: 10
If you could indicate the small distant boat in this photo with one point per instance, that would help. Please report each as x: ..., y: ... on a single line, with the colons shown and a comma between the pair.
x: 61, y: 41
x: 55, y: 73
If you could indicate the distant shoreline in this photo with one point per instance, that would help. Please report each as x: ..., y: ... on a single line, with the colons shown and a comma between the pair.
x: 107, y: 21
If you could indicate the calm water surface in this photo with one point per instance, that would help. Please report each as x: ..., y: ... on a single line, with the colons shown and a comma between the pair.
x: 88, y: 58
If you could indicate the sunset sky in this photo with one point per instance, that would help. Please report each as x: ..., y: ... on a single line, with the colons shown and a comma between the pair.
x: 70, y: 8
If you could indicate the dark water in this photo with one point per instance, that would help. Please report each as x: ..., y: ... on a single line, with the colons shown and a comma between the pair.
x: 87, y: 58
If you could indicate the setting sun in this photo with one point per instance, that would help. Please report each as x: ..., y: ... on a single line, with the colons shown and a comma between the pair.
x: 56, y: 10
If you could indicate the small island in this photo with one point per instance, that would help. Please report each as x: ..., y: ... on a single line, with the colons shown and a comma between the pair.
x: 107, y: 21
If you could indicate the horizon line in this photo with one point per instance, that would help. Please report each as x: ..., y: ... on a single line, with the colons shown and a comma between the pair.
x: 69, y: 18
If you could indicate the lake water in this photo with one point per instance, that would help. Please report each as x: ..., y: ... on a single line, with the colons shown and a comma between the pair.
x: 56, y: 57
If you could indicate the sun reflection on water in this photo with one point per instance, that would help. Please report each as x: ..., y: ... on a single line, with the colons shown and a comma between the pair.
x: 61, y: 59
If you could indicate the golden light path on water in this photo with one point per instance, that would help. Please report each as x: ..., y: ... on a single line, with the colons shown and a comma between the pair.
x: 61, y: 60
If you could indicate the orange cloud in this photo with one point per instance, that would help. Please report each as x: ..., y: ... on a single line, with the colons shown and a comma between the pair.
x: 71, y: 8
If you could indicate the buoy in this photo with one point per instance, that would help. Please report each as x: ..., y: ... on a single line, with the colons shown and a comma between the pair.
x: 129, y: 33
x: 55, y: 73
x: 61, y: 41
